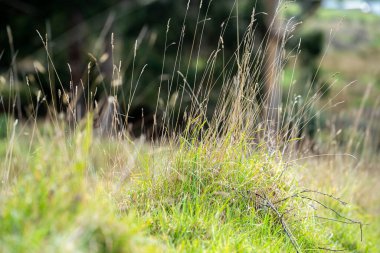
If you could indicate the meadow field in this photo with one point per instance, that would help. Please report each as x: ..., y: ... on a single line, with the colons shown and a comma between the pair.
x: 229, y: 183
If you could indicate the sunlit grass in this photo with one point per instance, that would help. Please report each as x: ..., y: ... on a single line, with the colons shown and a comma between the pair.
x: 79, y: 193
x: 225, y: 184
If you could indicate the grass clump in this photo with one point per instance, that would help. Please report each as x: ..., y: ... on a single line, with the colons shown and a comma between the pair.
x: 73, y: 194
x: 220, y: 186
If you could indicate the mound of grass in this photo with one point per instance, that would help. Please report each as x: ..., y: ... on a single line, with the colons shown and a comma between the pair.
x: 83, y: 194
x: 220, y: 186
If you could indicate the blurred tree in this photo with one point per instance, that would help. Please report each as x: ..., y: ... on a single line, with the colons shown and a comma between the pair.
x: 76, y: 29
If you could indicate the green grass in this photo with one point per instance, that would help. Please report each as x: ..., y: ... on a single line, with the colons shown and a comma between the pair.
x: 79, y: 193
x: 69, y: 190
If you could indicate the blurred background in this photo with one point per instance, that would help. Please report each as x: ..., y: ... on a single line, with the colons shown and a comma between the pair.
x: 133, y: 46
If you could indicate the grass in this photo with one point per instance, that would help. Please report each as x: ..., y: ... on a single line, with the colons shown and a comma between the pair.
x: 80, y: 193
x: 227, y: 187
